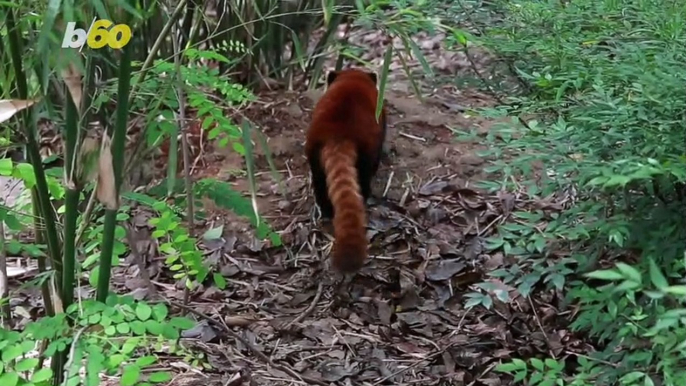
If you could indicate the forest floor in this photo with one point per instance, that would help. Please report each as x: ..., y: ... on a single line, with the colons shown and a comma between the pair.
x: 405, y: 323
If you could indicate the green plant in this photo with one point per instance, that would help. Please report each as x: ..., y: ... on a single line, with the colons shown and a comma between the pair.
x: 598, y: 125
x: 537, y: 372
x: 121, y: 337
x: 64, y: 88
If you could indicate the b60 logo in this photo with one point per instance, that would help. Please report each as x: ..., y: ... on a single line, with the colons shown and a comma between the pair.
x: 99, y: 35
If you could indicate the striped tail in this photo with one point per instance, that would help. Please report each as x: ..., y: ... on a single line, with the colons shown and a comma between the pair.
x: 350, y: 219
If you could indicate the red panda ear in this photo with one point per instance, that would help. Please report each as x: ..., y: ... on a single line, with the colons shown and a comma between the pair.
x: 330, y: 77
x: 373, y: 76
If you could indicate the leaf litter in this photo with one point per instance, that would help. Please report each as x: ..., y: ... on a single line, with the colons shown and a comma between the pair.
x: 402, y: 320
x: 283, y: 321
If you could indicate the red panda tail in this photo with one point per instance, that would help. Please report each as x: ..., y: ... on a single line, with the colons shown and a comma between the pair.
x: 349, y: 222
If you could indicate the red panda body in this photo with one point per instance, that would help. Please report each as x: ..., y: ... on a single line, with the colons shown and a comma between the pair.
x: 343, y: 147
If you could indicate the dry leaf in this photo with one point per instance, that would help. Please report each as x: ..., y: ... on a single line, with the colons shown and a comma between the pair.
x: 9, y: 107
x: 88, y: 151
x: 85, y: 164
x: 72, y: 78
x: 19, y: 271
x: 106, y: 192
x: 56, y: 299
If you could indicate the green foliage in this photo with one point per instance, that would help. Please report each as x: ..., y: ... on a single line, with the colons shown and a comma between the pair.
x: 401, y: 20
x: 202, y: 77
x: 604, y: 83
x: 226, y: 197
x: 274, y: 33
x: 639, y: 306
x: 206, y: 89
x: 94, y: 239
x: 120, y: 338
x: 9, y: 217
x: 537, y: 372
x: 528, y: 242
x: 16, y: 218
x: 183, y: 256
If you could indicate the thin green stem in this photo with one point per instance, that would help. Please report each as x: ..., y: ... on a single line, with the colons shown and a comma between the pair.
x: 28, y: 116
x: 118, y: 143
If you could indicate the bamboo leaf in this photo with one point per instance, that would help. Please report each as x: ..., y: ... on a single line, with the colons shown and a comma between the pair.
x: 48, y: 24
x: 299, y: 54
x: 250, y: 166
x: 413, y: 83
x: 417, y: 52
x: 327, y: 7
x: 100, y: 9
x: 384, y: 78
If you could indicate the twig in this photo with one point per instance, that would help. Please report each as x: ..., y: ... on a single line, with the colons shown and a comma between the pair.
x: 485, y: 82
x: 309, y: 309
x: 190, y: 213
x: 259, y: 354
x: 486, y: 371
x: 183, y: 128
x: 180, y: 7
x: 87, y: 215
x: 489, y: 225
x: 72, y: 349
x: 236, y: 380
x: 540, y: 326
x: 481, y: 32
x: 388, y: 183
x: 6, y: 315
x: 606, y: 363
x: 412, y: 136
x: 488, y: 85
x: 201, y: 151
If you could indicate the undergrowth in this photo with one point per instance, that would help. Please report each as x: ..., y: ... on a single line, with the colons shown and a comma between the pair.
x: 605, y: 83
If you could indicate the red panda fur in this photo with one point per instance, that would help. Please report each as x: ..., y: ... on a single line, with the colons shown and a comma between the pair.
x: 343, y: 147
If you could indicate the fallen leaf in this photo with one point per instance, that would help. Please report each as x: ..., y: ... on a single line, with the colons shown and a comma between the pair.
x: 201, y: 330
x: 470, y: 198
x: 443, y: 269
x: 9, y: 107
x: 214, y: 233
x: 432, y: 188
x: 19, y: 271
x: 383, y: 312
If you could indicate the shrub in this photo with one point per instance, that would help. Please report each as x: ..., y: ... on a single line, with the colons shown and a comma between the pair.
x: 606, y: 82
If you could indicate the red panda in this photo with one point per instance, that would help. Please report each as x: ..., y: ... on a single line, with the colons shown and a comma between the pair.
x: 343, y: 147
